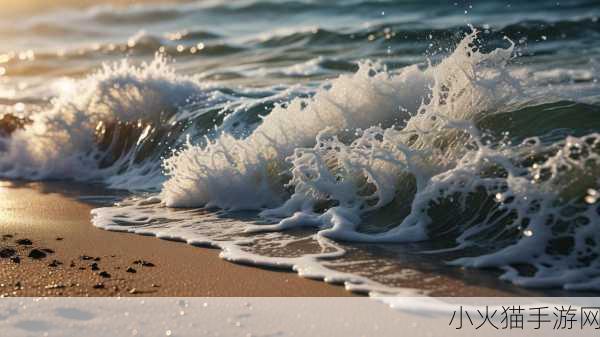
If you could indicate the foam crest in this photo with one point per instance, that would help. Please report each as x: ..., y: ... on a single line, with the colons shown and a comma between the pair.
x: 424, y: 116
x: 61, y: 141
x: 546, y: 195
x: 206, y: 176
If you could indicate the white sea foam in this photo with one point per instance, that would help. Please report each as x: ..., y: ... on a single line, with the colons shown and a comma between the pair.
x: 247, y: 173
x: 61, y: 141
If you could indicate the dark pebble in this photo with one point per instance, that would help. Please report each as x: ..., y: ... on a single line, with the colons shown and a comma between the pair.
x: 25, y: 242
x: 6, y: 236
x: 37, y: 254
x: 144, y: 263
x: 59, y: 239
x: 131, y: 270
x: 98, y: 286
x: 15, y: 259
x: 7, y: 252
x: 104, y: 274
x: 97, y: 259
x: 94, y: 266
x: 72, y: 264
x: 54, y: 263
x: 81, y: 268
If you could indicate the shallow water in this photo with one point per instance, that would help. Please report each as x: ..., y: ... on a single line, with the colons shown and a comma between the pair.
x: 292, y: 133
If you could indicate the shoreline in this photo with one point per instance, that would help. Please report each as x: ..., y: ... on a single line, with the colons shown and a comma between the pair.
x: 81, y: 260
x: 49, y: 247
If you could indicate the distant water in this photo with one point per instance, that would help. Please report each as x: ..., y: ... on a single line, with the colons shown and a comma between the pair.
x: 345, y: 139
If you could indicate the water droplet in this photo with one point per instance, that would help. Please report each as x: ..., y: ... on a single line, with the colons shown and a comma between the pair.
x: 168, y: 332
x: 528, y: 232
x: 19, y: 107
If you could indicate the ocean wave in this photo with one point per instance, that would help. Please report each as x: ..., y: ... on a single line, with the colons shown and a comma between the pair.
x: 390, y: 157
x: 375, y: 155
x: 394, y: 32
x: 135, y: 14
x: 86, y: 133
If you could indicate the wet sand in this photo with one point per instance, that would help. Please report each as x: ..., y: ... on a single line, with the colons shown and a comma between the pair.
x: 94, y: 262
x: 48, y: 247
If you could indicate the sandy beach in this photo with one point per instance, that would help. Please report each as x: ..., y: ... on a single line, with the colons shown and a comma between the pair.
x: 81, y: 260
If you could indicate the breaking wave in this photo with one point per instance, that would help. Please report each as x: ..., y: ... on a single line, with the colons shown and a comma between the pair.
x: 488, y: 157
x: 450, y: 152
x: 98, y: 127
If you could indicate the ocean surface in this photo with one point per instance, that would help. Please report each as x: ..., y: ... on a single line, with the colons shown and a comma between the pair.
x: 355, y: 141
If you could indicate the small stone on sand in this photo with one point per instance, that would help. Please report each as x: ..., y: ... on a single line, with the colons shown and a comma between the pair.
x: 7, y: 252
x: 54, y: 263
x: 25, y: 242
x: 37, y: 254
x: 104, y: 274
x: 144, y: 263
